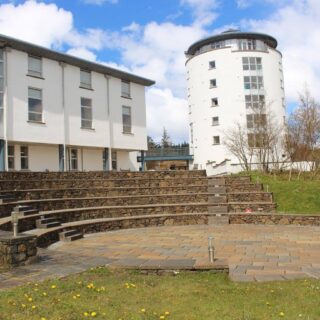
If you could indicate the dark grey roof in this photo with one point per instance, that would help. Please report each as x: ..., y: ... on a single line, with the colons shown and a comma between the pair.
x: 81, y: 63
x: 232, y: 34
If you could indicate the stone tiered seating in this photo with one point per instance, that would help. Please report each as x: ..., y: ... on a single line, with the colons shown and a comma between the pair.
x: 76, y: 203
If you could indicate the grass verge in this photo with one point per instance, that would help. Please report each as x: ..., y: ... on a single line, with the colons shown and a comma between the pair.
x: 103, y: 293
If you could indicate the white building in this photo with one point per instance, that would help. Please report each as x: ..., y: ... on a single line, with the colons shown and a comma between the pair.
x: 229, y: 75
x: 59, y: 112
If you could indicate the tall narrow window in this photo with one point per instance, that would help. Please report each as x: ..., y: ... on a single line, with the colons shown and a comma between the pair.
x: 24, y: 157
x: 254, y: 101
x: 125, y: 89
x: 11, y: 157
x: 216, y: 140
x: 1, y: 84
x: 114, y: 160
x: 34, y: 105
x: 213, y: 83
x: 212, y: 65
x: 73, y: 159
x: 86, y: 113
x: 85, y: 79
x: 253, y: 82
x: 34, y: 66
x: 126, y: 119
x: 214, y: 102
x: 215, y: 121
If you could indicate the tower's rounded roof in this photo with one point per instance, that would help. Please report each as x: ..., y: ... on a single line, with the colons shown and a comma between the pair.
x: 232, y: 34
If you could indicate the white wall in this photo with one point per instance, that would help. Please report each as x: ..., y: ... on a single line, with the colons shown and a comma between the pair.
x: 92, y: 159
x: 231, y: 96
x: 127, y: 161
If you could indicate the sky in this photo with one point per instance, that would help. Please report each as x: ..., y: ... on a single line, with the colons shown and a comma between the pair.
x: 149, y: 38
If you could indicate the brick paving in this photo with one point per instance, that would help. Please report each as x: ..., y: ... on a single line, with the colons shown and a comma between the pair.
x: 252, y: 252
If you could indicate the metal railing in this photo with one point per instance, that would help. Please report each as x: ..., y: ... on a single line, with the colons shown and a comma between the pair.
x: 168, y: 152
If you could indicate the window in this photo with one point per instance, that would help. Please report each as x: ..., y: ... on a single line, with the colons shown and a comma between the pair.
x: 1, y: 84
x: 214, y: 102
x: 254, y: 101
x: 244, y: 44
x: 24, y: 157
x: 216, y: 140
x: 34, y: 105
x: 251, y: 63
x: 212, y: 65
x: 218, y: 45
x: 85, y: 79
x: 125, y: 89
x: 257, y: 140
x: 73, y: 159
x: 191, y: 133
x: 215, y: 121
x: 34, y: 66
x: 86, y: 113
x: 253, y: 82
x: 256, y: 120
x: 11, y: 157
x: 126, y: 119
x: 213, y: 83
x: 114, y: 160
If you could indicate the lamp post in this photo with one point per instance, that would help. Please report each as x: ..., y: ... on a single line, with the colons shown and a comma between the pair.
x: 15, y: 220
x: 210, y: 249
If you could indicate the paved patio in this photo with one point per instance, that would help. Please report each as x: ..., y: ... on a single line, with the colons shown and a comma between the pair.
x: 252, y: 252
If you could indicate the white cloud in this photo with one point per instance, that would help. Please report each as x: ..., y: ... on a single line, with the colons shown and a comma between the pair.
x: 40, y: 23
x: 296, y: 27
x: 203, y: 10
x: 100, y: 2
x: 82, y: 53
x: 166, y: 110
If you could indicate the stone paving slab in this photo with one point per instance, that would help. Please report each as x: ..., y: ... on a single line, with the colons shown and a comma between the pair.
x: 252, y: 252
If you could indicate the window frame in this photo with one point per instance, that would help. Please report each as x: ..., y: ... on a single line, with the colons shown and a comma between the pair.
x: 114, y: 160
x: 256, y: 101
x: 24, y: 155
x: 254, y: 83
x: 125, y: 93
x: 212, y: 64
x: 213, y: 83
x: 35, y: 73
x: 126, y: 128
x: 215, y: 121
x: 74, y: 159
x: 35, y: 112
x: 88, y: 109
x: 11, y: 156
x: 214, y: 102
x: 218, y: 140
x: 86, y: 85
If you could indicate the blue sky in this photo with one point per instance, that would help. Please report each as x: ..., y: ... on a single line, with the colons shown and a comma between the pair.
x: 149, y: 37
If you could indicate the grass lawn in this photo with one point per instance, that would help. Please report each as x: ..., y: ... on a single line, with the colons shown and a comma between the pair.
x: 295, y: 196
x: 117, y: 294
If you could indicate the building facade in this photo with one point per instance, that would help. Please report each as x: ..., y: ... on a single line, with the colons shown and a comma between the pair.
x: 61, y: 113
x: 230, y: 76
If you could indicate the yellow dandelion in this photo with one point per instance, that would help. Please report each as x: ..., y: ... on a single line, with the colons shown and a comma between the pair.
x: 44, y: 294
x: 23, y: 305
x: 30, y: 299
x: 93, y: 314
x: 143, y: 310
x: 33, y: 307
x: 35, y: 284
x: 86, y: 314
x: 132, y: 285
x: 162, y: 317
x: 74, y: 297
x: 281, y: 314
x: 53, y: 286
x: 43, y: 318
x: 167, y: 313
x: 78, y: 295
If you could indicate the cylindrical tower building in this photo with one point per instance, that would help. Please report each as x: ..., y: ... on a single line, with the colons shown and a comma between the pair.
x: 229, y: 76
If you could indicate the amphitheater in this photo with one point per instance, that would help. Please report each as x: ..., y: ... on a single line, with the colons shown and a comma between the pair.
x: 65, y: 207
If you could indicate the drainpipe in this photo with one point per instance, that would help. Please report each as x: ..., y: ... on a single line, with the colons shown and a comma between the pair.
x: 110, y: 124
x: 63, y: 65
x: 5, y: 107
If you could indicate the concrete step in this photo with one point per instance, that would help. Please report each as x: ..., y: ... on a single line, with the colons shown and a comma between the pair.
x: 217, y: 189
x: 5, y: 198
x: 45, y: 223
x: 216, y: 181
x: 218, y: 219
x: 216, y: 198
x: 70, y: 235
x: 217, y: 209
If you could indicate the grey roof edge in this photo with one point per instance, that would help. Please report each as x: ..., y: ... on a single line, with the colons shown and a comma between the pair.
x: 271, y: 41
x: 37, y: 50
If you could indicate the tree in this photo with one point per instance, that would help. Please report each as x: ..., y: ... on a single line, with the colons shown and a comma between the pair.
x: 303, y: 133
x: 165, y: 140
x: 258, y: 140
x: 151, y: 143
